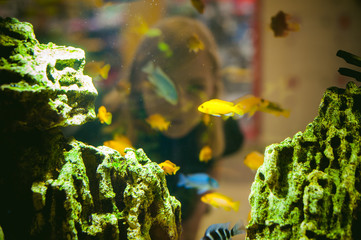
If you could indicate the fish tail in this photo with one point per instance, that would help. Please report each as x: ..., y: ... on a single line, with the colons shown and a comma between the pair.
x: 235, y: 206
x: 238, y: 228
x: 293, y: 27
x: 182, y: 180
x: 286, y: 113
x: 104, y: 71
x: 108, y: 119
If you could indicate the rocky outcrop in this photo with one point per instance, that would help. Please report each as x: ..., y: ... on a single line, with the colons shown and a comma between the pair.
x: 309, y: 186
x: 53, y: 187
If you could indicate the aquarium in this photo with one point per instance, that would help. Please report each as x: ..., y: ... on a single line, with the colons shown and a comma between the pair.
x: 180, y: 119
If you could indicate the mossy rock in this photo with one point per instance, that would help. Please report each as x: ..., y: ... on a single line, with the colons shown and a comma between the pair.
x: 309, y: 186
x: 53, y: 187
x: 41, y: 85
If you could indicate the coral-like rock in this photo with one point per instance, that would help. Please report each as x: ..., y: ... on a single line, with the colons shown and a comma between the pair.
x: 309, y: 187
x: 57, y: 188
x: 41, y: 85
x: 101, y: 194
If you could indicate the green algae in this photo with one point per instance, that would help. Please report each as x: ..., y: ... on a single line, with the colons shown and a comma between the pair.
x: 309, y: 185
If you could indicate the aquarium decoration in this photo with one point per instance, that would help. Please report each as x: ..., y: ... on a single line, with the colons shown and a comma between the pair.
x: 309, y: 186
x: 54, y: 187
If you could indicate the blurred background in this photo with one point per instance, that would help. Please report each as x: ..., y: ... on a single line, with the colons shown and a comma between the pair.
x: 292, y: 70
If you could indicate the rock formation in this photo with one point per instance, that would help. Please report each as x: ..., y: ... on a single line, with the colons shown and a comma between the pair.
x: 53, y: 187
x: 309, y: 186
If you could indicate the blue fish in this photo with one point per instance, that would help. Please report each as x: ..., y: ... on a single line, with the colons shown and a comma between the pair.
x: 164, y: 87
x: 201, y: 181
x: 220, y: 231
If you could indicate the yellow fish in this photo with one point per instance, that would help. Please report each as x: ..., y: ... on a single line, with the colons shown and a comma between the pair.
x: 273, y: 108
x: 236, y: 74
x: 195, y: 44
x: 104, y: 116
x: 281, y: 24
x: 119, y: 143
x: 254, y: 160
x: 219, y: 200
x: 169, y: 167
x: 217, y: 107
x: 248, y: 104
x: 158, y: 122
x: 95, y: 69
x: 205, y: 154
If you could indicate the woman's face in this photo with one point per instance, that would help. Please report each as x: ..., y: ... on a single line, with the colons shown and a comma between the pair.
x: 195, y: 84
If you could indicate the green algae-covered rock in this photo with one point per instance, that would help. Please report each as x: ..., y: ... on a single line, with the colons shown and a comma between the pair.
x: 45, y: 78
x: 106, y: 196
x: 53, y: 187
x: 309, y: 187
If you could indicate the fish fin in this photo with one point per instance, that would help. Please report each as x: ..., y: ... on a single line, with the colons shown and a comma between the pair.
x: 225, y: 117
x: 238, y: 228
x: 253, y: 111
x: 216, y: 226
x: 200, y: 191
x: 182, y: 180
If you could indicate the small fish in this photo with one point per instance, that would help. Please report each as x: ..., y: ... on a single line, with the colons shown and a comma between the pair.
x: 219, y: 200
x: 195, y: 44
x: 158, y: 122
x: 220, y: 231
x: 95, y: 69
x: 104, y: 116
x: 164, y: 47
x: 164, y: 87
x: 248, y: 104
x: 236, y: 74
x: 205, y: 154
x: 254, y: 160
x: 169, y: 167
x: 200, y: 181
x: 217, y: 107
x: 199, y: 5
x: 119, y: 143
x: 124, y: 86
x: 273, y: 108
x: 281, y: 24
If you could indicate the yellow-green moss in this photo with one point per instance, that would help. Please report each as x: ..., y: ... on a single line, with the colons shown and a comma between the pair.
x: 309, y: 187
